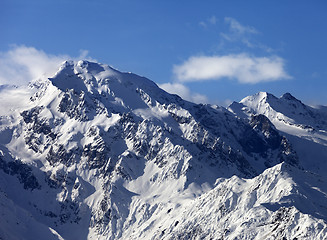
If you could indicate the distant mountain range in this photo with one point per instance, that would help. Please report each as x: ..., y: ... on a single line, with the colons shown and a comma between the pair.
x: 94, y: 153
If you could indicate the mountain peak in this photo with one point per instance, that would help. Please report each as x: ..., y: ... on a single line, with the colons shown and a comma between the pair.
x: 90, y: 76
x: 98, y: 81
x: 289, y: 97
x: 269, y: 98
x: 259, y: 99
x: 266, y: 95
x: 289, y: 113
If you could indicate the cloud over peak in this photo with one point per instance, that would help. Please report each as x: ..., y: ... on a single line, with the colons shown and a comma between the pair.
x: 242, y: 67
x: 22, y: 64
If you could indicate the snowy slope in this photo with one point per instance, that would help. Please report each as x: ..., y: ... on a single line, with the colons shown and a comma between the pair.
x: 100, y: 154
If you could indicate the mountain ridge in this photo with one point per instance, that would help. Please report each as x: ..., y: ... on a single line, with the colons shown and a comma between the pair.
x: 93, y: 151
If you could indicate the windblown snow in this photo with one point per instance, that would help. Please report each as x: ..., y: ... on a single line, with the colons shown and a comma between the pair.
x: 94, y: 153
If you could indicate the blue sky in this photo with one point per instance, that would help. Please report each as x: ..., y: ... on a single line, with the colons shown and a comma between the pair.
x: 207, y: 51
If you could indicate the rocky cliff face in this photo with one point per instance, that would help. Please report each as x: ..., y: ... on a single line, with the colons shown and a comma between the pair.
x: 93, y: 153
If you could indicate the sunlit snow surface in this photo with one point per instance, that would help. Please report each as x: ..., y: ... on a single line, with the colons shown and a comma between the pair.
x: 93, y: 153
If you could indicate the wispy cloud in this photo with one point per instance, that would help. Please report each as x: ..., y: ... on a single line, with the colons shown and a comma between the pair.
x: 238, y: 32
x: 209, y: 21
x: 238, y: 28
x: 184, y: 92
x: 244, y: 34
x: 22, y: 64
x: 242, y: 67
x: 213, y: 20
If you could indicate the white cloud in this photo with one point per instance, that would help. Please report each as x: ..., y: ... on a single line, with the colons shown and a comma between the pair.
x: 22, y: 64
x: 184, y: 92
x: 242, y: 67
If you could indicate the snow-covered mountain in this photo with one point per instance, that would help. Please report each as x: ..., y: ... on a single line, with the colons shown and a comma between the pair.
x: 93, y: 153
x: 304, y: 126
